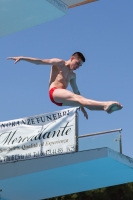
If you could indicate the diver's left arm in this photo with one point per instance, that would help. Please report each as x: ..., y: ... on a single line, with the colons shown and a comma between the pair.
x: 76, y: 91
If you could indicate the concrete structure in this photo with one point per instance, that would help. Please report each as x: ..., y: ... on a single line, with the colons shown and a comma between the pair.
x: 18, y: 15
x: 53, y: 176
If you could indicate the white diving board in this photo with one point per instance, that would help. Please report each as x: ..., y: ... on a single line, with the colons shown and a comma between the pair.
x: 58, y: 175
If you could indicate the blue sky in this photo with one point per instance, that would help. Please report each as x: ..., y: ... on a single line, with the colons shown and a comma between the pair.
x: 103, y: 32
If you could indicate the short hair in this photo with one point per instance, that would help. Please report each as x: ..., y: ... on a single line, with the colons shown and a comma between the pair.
x: 80, y: 55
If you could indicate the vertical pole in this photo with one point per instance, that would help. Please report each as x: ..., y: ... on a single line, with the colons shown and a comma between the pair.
x: 120, y: 142
x: 76, y: 129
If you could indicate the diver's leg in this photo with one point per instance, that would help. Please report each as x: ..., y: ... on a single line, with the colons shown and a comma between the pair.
x: 70, y: 99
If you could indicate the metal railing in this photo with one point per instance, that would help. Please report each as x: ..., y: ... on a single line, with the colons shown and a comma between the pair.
x: 106, y: 132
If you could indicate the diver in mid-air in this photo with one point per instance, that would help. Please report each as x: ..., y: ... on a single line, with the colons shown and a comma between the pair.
x: 62, y: 72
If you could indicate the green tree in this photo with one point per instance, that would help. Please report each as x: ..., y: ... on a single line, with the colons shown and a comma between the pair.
x: 118, y: 192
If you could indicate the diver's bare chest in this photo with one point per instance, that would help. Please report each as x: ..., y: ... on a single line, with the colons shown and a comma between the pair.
x: 64, y: 72
x: 66, y: 75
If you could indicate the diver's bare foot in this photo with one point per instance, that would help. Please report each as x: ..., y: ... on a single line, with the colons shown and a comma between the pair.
x: 112, y: 106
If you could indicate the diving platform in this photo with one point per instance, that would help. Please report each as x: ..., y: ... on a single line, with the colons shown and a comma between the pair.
x: 52, y: 176
x: 18, y: 15
x: 43, y: 156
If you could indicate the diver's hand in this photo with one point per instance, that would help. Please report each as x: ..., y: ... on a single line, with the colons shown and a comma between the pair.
x: 84, y: 112
x: 17, y: 59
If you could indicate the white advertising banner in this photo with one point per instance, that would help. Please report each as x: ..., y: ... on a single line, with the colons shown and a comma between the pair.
x: 38, y: 136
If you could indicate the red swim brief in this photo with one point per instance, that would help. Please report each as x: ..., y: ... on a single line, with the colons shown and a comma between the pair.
x: 51, y: 96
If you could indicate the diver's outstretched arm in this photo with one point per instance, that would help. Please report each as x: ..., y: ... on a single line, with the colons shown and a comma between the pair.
x: 38, y: 61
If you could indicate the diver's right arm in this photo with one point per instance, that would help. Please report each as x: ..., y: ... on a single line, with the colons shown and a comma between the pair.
x: 37, y: 61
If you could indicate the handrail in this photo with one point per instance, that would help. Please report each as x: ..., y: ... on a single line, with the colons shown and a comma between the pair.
x: 100, y: 133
